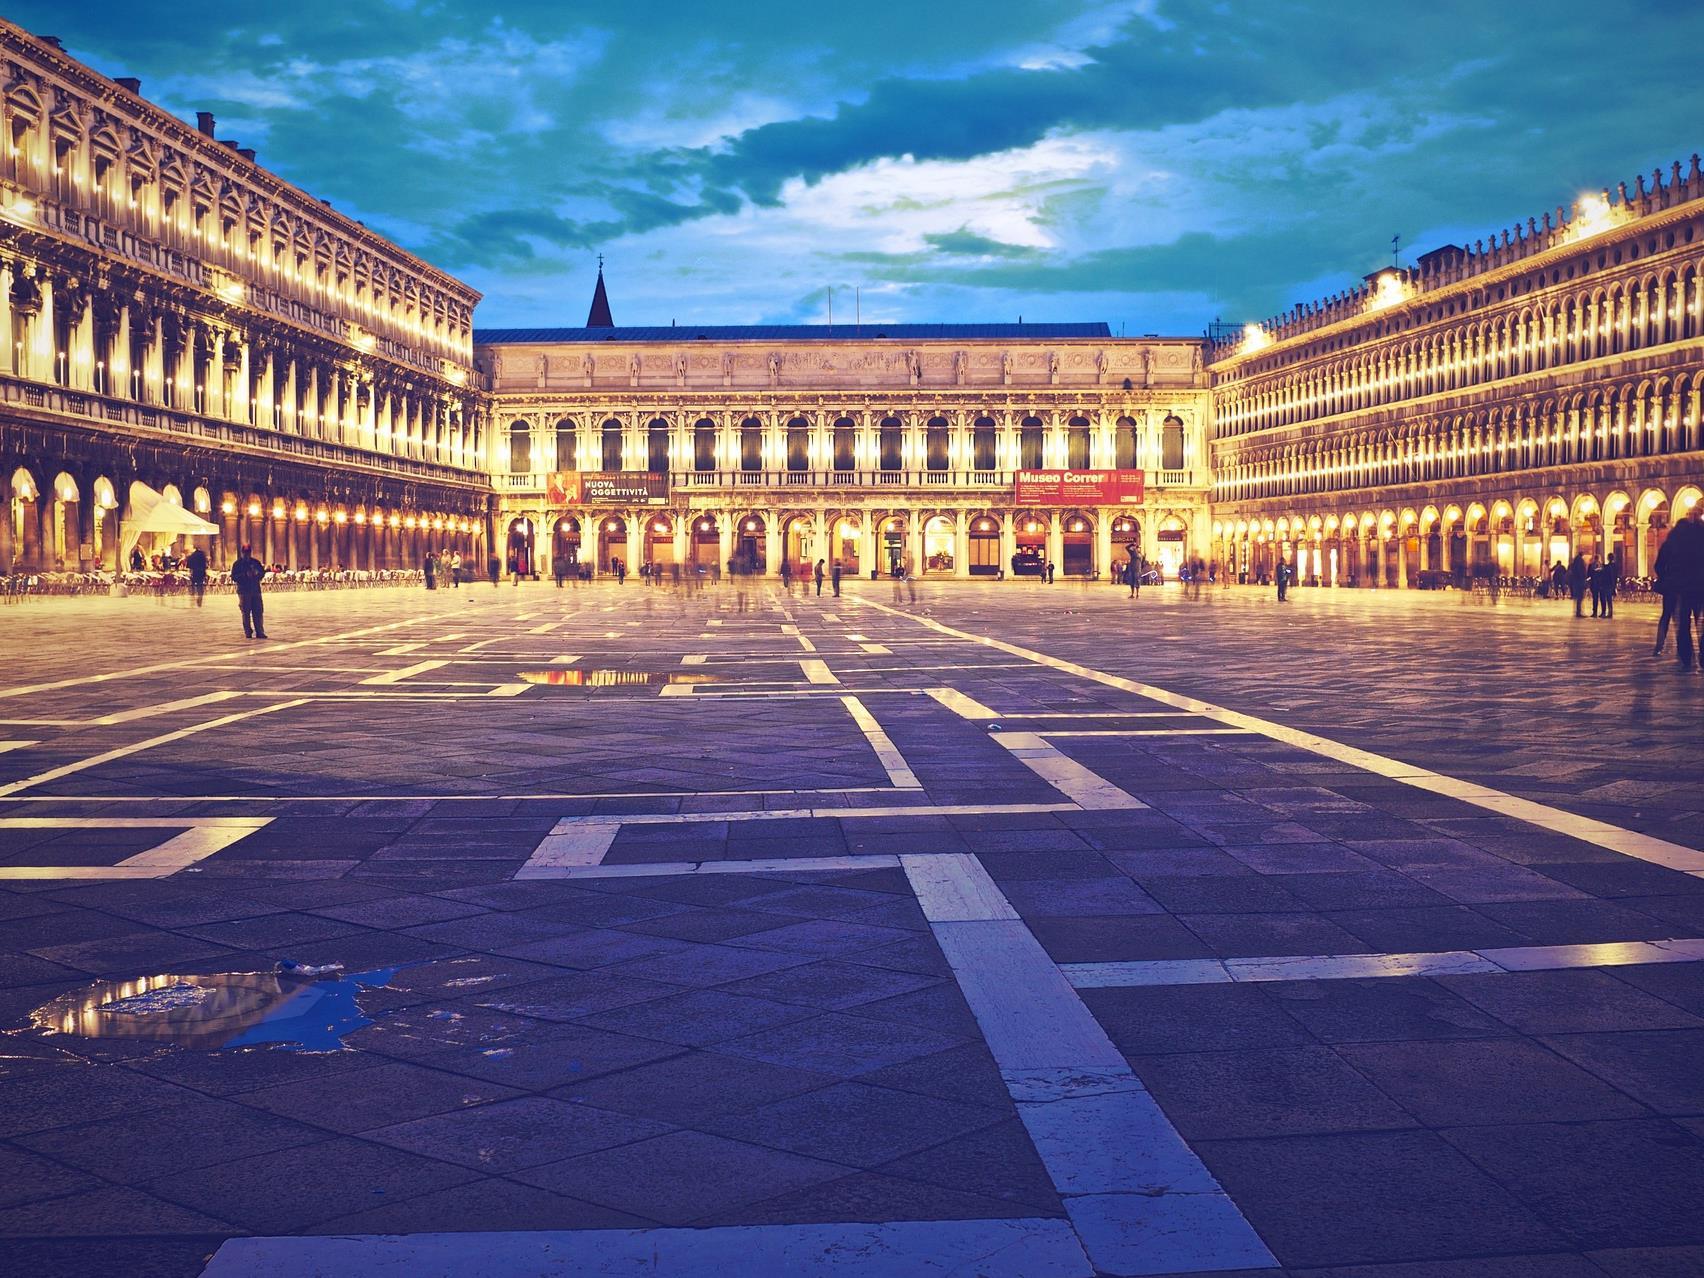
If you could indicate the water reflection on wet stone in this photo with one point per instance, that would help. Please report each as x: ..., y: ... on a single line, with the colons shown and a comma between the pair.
x: 217, y: 1010
x: 610, y: 678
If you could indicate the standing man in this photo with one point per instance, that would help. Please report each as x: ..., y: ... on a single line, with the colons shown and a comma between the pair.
x: 455, y: 569
x: 430, y: 567
x: 834, y: 575
x: 197, y: 565
x: 1577, y: 582
x: 1283, y: 575
x: 246, y: 576
x: 817, y: 575
x: 1609, y: 578
x: 1685, y: 565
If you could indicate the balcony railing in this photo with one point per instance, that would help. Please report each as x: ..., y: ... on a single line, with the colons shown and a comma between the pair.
x: 840, y: 479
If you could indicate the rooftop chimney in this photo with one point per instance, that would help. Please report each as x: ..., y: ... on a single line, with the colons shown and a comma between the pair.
x: 247, y: 152
x: 204, y: 122
x: 129, y: 83
x: 53, y: 41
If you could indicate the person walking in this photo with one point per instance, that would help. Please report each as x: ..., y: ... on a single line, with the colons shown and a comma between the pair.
x: 1577, y: 575
x: 787, y: 575
x: 197, y: 565
x: 430, y: 567
x: 494, y: 568
x: 1559, y: 580
x: 1050, y: 572
x: 1668, y: 589
x: 1685, y: 567
x: 1283, y: 577
x: 834, y: 576
x: 621, y: 572
x: 246, y: 575
x: 817, y: 573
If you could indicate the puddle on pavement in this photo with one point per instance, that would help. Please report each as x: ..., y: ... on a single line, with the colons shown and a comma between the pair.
x: 611, y: 678
x: 218, y: 1010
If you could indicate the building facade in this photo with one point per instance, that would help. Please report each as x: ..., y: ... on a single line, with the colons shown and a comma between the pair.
x: 881, y: 447
x: 1490, y: 410
x: 177, y: 316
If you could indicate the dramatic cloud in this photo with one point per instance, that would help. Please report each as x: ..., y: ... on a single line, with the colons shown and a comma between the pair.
x: 1154, y: 163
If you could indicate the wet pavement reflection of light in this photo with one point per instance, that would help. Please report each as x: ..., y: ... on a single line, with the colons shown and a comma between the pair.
x: 609, y: 678
x: 217, y: 1010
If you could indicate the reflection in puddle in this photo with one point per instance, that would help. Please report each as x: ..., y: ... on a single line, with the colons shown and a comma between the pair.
x: 610, y: 678
x: 223, y: 1009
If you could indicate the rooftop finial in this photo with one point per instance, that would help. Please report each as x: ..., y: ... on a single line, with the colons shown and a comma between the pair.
x: 599, y: 316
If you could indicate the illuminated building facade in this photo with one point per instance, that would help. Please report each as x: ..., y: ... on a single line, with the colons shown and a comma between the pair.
x: 172, y: 314
x: 880, y: 446
x: 1492, y: 409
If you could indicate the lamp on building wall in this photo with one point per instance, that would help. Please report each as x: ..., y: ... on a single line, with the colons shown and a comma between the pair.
x: 228, y: 507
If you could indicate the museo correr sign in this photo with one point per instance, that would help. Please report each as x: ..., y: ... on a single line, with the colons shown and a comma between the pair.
x: 1077, y: 487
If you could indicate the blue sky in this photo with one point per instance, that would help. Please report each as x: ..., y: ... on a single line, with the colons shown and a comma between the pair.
x: 1155, y: 164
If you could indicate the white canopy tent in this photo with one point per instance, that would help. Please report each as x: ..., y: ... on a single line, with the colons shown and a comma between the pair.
x: 151, y: 512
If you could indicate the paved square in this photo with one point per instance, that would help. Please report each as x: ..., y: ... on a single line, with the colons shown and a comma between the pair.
x: 1032, y: 929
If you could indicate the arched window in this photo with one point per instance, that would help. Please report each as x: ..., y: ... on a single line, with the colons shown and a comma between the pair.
x: 657, y: 447
x: 1126, y: 456
x: 845, y: 444
x: 935, y: 444
x: 751, y: 444
x: 611, y: 446
x: 1077, y: 443
x: 704, y: 444
x: 890, y: 444
x: 982, y: 444
x: 798, y: 445
x: 1171, y: 444
x: 520, y: 448
x: 567, y: 446
x: 1029, y: 444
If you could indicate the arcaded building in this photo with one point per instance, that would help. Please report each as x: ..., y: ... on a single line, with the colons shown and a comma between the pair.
x: 179, y: 317
x: 948, y: 450
x: 1492, y: 409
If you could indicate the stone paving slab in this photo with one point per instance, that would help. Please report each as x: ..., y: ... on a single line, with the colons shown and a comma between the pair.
x: 589, y: 1058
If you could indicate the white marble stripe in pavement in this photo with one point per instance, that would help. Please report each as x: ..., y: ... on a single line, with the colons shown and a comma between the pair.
x: 1643, y: 847
x: 1083, y: 785
x: 1020, y: 1248
x: 406, y: 672
x: 569, y: 844
x: 892, y: 761
x: 1328, y: 967
x: 1139, y: 1199
x: 136, y: 671
x: 797, y: 814
x: 53, y: 774
x: 201, y: 839
x: 767, y: 865
x: 6, y: 746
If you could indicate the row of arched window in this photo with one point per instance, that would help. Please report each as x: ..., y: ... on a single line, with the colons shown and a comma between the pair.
x: 1612, y: 319
x: 1649, y: 418
x: 843, y: 445
x: 119, y: 173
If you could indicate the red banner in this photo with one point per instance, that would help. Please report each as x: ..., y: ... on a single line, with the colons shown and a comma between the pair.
x: 599, y: 488
x: 1077, y: 487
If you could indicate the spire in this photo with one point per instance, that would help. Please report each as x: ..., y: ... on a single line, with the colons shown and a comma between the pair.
x: 600, y: 316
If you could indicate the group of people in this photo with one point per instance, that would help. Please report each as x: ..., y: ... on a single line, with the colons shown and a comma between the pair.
x: 821, y: 572
x: 448, y: 562
x: 1585, y: 574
